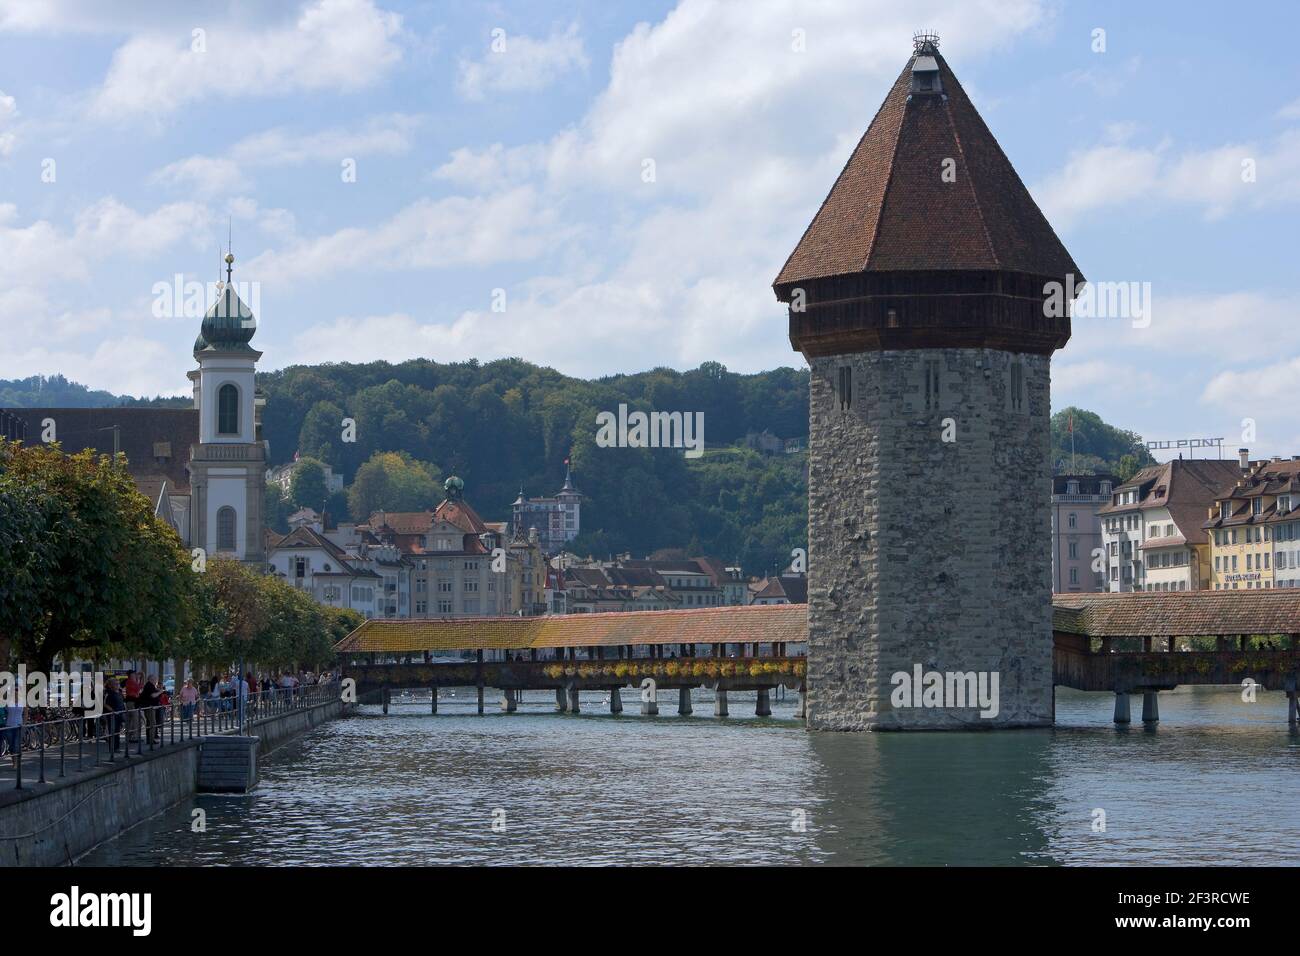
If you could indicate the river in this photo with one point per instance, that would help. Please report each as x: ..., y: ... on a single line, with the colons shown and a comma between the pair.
x: 1212, y: 784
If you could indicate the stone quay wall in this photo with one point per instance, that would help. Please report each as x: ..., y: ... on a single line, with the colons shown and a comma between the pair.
x: 52, y: 825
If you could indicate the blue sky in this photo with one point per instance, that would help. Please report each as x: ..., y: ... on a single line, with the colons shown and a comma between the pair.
x: 522, y: 170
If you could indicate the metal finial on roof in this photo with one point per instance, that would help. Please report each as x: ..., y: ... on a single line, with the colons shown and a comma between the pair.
x: 924, y: 41
x: 230, y: 265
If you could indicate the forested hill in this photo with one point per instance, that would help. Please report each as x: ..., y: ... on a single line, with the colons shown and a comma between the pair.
x: 507, y: 425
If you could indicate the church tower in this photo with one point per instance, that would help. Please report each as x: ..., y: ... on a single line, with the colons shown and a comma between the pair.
x: 922, y: 296
x: 228, y: 465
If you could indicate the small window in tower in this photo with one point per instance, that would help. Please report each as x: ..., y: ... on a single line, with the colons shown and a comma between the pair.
x: 846, y: 387
x: 226, y: 529
x: 1017, y: 387
x: 932, y: 379
x: 228, y: 410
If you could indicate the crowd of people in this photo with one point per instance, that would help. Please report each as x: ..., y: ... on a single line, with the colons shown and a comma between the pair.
x: 137, y: 703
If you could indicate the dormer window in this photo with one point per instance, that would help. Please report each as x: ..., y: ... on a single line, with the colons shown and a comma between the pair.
x: 1072, y: 488
x: 1256, y: 505
x: 1225, y: 510
x: 1105, y: 487
x: 1283, y: 504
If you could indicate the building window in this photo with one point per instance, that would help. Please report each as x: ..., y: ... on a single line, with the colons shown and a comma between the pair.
x: 226, y: 529
x: 1017, y: 386
x: 228, y: 410
x: 931, y: 384
x: 1074, y: 520
x: 1074, y: 550
x: 846, y: 387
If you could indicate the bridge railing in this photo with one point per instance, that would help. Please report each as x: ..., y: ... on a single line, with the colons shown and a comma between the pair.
x: 593, y: 672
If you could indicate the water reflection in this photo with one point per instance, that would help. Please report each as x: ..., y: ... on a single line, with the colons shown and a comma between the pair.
x: 1212, y: 784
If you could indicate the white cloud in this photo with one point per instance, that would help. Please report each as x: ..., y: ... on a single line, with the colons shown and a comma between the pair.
x: 1217, y: 180
x: 515, y: 63
x: 8, y: 110
x: 205, y: 175
x: 1106, y: 78
x: 1290, y: 111
x: 341, y: 45
x: 493, y: 167
x: 381, y: 135
x: 39, y: 255
x: 213, y: 175
x: 427, y: 234
x: 125, y: 365
x: 1275, y: 384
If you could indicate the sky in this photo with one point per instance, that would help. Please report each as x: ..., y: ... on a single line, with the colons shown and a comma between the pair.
x: 609, y: 187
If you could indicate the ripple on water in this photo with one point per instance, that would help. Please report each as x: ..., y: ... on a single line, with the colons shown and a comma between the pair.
x: 1211, y: 785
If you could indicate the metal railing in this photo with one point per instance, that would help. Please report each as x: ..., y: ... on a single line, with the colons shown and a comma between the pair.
x: 112, y: 736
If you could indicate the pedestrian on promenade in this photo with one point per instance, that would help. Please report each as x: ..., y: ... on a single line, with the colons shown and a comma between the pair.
x: 189, y: 700
x: 131, y: 694
x: 14, y: 722
x: 149, y: 701
x: 114, y: 708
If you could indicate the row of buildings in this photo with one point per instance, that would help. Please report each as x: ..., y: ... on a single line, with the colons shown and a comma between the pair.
x: 1184, y: 525
x: 450, y: 563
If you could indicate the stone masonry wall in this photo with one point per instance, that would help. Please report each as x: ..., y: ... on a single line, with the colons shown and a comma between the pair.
x: 928, y: 552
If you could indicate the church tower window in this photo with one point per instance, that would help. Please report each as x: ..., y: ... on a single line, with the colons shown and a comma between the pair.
x: 226, y: 529
x: 228, y: 410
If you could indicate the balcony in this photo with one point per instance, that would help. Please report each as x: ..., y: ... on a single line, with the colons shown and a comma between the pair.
x: 227, y: 453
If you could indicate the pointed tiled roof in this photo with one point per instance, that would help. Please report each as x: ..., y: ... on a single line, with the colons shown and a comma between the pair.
x: 892, y: 210
x: 460, y: 514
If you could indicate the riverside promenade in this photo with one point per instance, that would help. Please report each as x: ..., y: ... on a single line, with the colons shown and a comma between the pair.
x: 70, y: 790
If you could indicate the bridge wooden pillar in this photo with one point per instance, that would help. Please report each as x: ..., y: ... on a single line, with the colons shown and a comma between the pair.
x: 386, y: 693
x: 763, y: 706
x: 615, y: 701
x: 1122, y: 714
x: 1150, y: 707
x: 1146, y: 644
x: 802, y: 710
x: 573, y: 699
x: 561, y: 701
x: 509, y: 701
x: 1291, y: 711
x: 478, y: 676
x: 683, y: 701
x: 719, y: 703
x: 433, y: 704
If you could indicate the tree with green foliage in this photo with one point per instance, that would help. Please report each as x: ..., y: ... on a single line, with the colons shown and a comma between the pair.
x: 394, y: 481
x: 98, y: 570
x: 308, y: 487
x: 1098, y: 447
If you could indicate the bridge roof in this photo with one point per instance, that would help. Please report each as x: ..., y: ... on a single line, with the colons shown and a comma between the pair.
x: 786, y: 623
x: 1178, y: 613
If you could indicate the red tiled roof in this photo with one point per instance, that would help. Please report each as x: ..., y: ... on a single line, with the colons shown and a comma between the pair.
x: 731, y: 625
x: 891, y: 210
x: 1178, y: 613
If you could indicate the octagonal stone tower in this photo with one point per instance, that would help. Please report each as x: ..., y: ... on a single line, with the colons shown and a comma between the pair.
x: 919, y: 296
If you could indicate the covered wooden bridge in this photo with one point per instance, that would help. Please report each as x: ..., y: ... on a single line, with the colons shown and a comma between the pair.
x: 1148, y: 641
x: 759, y: 647
x: 1139, y: 642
